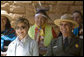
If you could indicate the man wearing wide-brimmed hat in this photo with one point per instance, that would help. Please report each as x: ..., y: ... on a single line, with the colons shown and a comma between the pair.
x: 66, y: 44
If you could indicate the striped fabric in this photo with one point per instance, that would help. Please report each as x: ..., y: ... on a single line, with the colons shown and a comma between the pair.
x: 7, y: 35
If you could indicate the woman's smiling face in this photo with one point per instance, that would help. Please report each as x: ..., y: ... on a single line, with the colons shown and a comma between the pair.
x: 21, y: 30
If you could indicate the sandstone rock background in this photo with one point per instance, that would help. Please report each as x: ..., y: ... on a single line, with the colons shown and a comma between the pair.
x: 27, y: 9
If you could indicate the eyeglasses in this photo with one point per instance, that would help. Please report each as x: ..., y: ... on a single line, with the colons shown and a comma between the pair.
x: 22, y: 27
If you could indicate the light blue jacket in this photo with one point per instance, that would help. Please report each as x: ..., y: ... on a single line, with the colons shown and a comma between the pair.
x: 30, y: 48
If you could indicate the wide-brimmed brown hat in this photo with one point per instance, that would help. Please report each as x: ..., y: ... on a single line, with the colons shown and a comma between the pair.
x: 66, y: 18
x: 5, y: 14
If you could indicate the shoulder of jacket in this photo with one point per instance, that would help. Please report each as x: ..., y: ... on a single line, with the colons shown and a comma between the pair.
x: 57, y: 39
x: 32, y: 41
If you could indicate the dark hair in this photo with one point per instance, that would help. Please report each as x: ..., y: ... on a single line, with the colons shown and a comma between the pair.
x: 8, y: 25
x: 79, y: 13
x: 22, y: 20
x: 43, y: 11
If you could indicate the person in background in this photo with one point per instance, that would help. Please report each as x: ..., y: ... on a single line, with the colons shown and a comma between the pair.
x: 78, y: 17
x: 7, y: 32
x: 41, y: 31
x: 66, y: 44
x: 23, y: 45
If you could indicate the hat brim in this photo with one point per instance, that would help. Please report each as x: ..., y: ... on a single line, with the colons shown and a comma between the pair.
x: 6, y: 15
x: 58, y: 21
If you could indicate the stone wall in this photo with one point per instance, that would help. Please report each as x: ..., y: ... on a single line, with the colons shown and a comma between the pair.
x: 27, y: 9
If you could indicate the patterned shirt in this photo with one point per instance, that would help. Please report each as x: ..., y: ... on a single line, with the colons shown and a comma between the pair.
x: 7, y: 36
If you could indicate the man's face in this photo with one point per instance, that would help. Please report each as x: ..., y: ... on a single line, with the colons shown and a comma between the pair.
x: 40, y: 20
x: 65, y: 27
x: 77, y: 17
